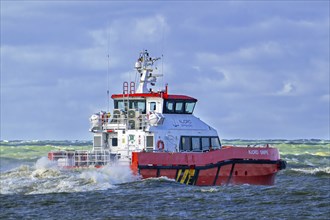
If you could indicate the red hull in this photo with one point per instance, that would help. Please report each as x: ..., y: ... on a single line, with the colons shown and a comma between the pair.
x: 233, y: 165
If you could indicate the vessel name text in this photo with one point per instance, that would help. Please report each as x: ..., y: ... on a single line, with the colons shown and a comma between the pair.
x: 257, y: 152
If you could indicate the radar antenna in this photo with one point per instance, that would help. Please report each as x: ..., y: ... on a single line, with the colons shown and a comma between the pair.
x: 144, y: 66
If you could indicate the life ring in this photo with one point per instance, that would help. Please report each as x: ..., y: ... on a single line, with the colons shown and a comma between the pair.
x: 160, y: 145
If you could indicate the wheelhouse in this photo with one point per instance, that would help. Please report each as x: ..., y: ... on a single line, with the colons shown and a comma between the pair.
x: 168, y: 104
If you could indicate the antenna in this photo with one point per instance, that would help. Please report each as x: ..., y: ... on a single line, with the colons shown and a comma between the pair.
x: 162, y: 49
x: 108, y: 70
x: 108, y: 93
x: 162, y: 70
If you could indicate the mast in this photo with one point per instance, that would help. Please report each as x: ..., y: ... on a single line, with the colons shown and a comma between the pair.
x: 144, y: 66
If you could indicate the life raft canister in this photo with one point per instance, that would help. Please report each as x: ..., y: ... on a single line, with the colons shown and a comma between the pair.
x: 160, y: 145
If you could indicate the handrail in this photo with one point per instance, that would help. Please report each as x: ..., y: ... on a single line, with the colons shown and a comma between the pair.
x: 82, y: 157
x: 141, y: 122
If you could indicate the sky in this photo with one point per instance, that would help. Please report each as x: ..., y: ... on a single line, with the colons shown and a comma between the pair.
x: 259, y: 69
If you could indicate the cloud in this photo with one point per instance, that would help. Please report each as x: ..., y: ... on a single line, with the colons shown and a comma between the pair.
x: 258, y: 51
x: 139, y: 30
x: 88, y: 58
x: 233, y: 71
x: 287, y: 89
x: 248, y: 64
x: 150, y: 29
x: 269, y: 49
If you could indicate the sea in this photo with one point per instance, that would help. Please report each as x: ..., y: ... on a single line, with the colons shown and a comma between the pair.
x: 31, y: 187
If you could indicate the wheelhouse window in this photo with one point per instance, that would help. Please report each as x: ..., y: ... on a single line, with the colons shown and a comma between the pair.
x: 197, y: 143
x: 189, y: 108
x: 179, y: 106
x: 205, y: 143
x: 185, y: 144
x: 169, y: 107
x: 138, y: 104
x: 215, y: 143
x: 132, y: 104
x: 119, y: 104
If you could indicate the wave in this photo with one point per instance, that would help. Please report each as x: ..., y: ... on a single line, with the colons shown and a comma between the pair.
x: 309, y: 142
x: 33, y: 151
x: 45, y: 142
x: 110, y: 174
x: 306, y: 160
x: 318, y: 171
x: 44, y: 177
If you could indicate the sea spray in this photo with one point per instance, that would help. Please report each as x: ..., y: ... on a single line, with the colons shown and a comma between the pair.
x: 45, y: 163
x: 45, y: 168
x: 112, y: 174
x: 45, y: 177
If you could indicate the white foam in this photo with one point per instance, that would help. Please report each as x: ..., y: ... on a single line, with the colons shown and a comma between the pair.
x: 44, y: 168
x: 45, y: 173
x: 313, y: 170
x: 114, y: 174
x: 161, y: 178
x: 46, y: 177
x: 210, y: 190
x: 45, y: 163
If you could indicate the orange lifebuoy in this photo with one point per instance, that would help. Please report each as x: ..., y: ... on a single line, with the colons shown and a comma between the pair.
x: 160, y: 145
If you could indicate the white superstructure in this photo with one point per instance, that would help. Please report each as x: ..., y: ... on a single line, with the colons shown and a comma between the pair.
x: 147, y: 120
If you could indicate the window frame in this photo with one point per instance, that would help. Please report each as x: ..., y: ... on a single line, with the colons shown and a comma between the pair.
x: 181, y: 143
x: 208, y: 145
x: 219, y: 146
x: 121, y: 104
x: 182, y: 110
x: 201, y: 149
x: 152, y: 106
x: 166, y: 109
x: 193, y: 148
x: 185, y: 107
x: 114, y: 142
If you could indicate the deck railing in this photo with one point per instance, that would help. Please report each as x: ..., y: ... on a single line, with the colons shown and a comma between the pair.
x: 120, y: 119
x: 81, y: 158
